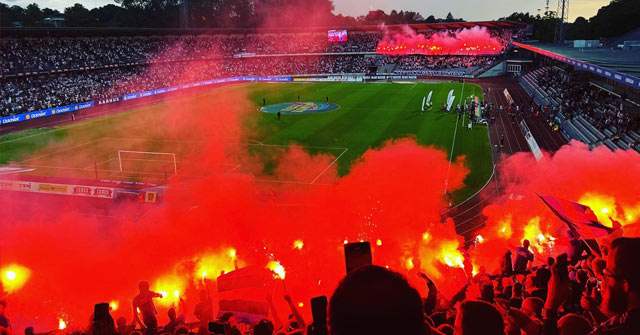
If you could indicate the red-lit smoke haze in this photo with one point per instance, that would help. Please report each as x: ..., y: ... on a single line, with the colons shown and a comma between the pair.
x: 474, y: 41
x: 76, y: 259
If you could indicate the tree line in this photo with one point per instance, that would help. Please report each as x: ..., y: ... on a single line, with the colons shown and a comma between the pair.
x: 205, y: 14
x: 614, y: 19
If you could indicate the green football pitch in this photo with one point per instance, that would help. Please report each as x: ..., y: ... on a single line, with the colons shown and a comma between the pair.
x: 361, y: 116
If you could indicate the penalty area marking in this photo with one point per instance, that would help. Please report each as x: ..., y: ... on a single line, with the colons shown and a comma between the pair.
x: 232, y: 167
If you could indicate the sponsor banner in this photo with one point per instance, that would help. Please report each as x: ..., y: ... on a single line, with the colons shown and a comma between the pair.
x: 531, y: 141
x: 507, y: 95
x: 131, y: 96
x: 387, y: 77
x: 52, y: 188
x: 433, y: 73
x: 450, y: 101
x: 611, y: 74
x: 45, y: 112
x: 108, y: 101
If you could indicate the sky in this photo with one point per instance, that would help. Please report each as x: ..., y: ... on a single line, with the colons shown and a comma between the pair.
x: 470, y: 10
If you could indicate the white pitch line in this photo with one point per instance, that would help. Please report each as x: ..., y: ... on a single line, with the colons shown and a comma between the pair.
x: 455, y: 131
x: 59, y: 151
x: 414, y: 85
x: 327, y: 168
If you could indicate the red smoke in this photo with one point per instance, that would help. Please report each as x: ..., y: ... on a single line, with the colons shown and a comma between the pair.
x: 474, y: 41
x: 81, y: 253
x: 393, y: 194
x: 608, y: 182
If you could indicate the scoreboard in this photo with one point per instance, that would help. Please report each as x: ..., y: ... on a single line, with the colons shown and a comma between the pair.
x: 337, y: 35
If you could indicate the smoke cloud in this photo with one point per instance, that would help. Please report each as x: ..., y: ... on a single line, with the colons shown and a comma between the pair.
x: 474, y: 41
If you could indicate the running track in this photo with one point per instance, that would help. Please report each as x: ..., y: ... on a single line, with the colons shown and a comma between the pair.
x: 468, y: 215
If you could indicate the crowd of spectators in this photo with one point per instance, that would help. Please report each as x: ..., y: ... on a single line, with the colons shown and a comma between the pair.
x: 420, y: 62
x: 41, y: 73
x: 584, y: 291
x: 43, y: 55
x: 32, y: 93
x: 582, y: 98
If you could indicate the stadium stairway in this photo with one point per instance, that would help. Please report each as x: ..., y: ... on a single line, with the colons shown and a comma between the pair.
x: 493, y: 71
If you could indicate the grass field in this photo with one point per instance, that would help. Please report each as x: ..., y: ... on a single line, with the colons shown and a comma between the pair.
x: 369, y: 114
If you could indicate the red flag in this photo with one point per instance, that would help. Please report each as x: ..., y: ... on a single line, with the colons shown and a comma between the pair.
x: 578, y: 217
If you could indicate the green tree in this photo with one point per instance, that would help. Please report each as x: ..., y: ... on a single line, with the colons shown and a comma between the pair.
x: 33, y: 16
x: 78, y: 16
x: 580, y: 29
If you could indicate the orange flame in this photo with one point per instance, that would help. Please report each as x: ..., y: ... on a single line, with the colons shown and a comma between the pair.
x: 61, y: 324
x: 277, y: 268
x: 214, y: 263
x: 170, y: 283
x: 13, y: 277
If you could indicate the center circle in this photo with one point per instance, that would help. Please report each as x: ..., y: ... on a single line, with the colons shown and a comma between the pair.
x: 299, y: 108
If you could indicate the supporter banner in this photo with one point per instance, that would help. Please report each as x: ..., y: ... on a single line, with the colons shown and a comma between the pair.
x: 45, y: 112
x: 533, y: 145
x: 242, y: 292
x: 604, y: 72
x: 52, y: 188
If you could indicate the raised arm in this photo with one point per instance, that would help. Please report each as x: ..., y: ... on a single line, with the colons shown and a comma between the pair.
x: 430, y: 301
x: 274, y: 312
x: 295, y: 311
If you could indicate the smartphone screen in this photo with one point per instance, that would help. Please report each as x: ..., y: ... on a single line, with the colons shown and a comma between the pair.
x: 216, y: 328
x: 319, y: 313
x: 356, y: 255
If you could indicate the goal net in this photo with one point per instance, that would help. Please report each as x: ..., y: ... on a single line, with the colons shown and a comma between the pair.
x: 146, y: 163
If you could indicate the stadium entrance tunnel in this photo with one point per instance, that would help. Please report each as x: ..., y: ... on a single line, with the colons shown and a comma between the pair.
x: 299, y: 108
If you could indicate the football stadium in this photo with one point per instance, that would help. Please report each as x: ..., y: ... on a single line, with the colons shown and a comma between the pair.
x: 319, y: 167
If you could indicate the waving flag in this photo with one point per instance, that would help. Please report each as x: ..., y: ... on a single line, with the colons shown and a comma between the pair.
x: 579, y: 218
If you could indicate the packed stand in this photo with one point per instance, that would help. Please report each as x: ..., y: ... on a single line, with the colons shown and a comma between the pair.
x: 589, y: 290
x: 599, y: 116
x: 43, y: 55
x: 26, y: 94
x: 41, y: 73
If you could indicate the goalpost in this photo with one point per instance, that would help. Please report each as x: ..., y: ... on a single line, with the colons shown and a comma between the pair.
x: 147, y: 162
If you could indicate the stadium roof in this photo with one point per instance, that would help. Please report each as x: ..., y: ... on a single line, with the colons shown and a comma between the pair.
x: 623, y: 63
x: 13, y: 32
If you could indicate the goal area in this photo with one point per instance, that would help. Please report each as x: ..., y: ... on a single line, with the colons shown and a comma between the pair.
x: 147, y: 163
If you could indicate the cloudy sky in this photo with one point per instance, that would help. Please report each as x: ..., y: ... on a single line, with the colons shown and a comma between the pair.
x: 468, y: 9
